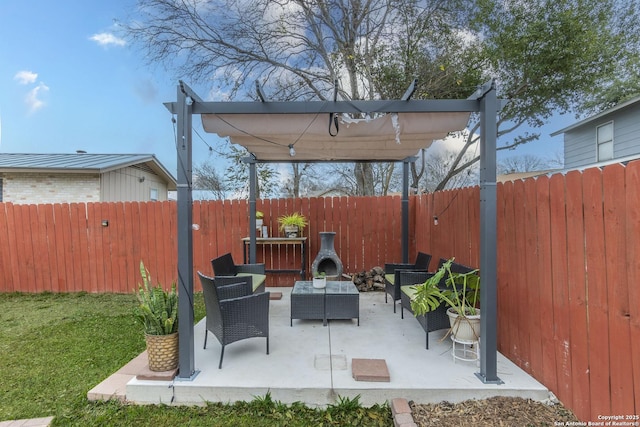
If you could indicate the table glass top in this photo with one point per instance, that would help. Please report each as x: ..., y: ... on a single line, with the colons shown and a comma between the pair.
x: 333, y: 287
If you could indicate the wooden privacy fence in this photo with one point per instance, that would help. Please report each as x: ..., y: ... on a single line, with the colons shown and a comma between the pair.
x: 568, y: 262
x: 97, y: 247
x: 568, y: 295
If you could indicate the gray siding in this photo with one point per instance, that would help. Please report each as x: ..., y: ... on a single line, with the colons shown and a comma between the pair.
x: 131, y: 184
x: 580, y: 143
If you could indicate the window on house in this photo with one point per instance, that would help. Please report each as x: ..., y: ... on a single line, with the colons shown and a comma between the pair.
x: 153, y: 194
x: 604, y: 136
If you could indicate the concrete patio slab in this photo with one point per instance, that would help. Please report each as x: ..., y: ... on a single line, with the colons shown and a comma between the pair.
x: 307, y: 364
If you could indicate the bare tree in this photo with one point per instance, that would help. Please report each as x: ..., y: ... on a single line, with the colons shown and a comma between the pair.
x: 437, y: 166
x: 206, y: 178
x: 301, y: 47
x: 547, y: 56
x: 524, y: 163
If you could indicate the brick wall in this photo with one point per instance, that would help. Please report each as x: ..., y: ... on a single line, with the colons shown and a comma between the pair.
x: 22, y: 188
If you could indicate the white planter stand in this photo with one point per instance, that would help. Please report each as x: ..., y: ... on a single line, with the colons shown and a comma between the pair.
x: 465, y: 350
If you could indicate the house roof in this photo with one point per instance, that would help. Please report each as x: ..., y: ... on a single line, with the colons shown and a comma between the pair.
x: 619, y: 106
x: 81, y: 163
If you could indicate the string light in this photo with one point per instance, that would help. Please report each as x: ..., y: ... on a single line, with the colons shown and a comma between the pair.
x: 292, y: 151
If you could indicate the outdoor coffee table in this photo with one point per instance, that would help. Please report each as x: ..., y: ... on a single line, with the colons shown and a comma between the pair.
x: 338, y: 300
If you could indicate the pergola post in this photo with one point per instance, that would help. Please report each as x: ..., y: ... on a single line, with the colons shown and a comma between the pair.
x: 253, y: 184
x: 488, y: 247
x: 405, y: 210
x: 186, y: 362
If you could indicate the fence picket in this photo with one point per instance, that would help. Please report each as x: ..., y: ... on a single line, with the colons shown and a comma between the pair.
x: 544, y: 259
x: 6, y: 236
x: 596, y: 281
x: 531, y: 268
x: 522, y: 289
x: 632, y: 231
x: 620, y: 347
x: 577, y: 295
x: 94, y: 240
x: 559, y: 283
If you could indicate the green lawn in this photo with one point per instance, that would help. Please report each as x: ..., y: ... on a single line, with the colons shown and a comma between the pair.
x: 54, y: 348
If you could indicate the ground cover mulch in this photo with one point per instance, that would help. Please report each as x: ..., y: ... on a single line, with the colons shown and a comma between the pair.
x: 491, y: 412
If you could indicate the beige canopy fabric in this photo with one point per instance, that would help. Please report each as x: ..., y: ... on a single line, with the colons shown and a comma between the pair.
x: 389, y: 137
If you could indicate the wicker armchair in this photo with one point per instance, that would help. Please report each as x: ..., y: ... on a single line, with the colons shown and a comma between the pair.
x: 233, y: 314
x: 224, y: 266
x: 432, y: 320
x: 392, y: 275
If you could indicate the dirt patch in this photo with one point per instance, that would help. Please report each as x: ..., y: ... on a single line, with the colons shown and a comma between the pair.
x: 492, y: 412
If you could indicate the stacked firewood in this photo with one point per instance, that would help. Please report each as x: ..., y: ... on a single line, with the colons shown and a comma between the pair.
x: 372, y: 280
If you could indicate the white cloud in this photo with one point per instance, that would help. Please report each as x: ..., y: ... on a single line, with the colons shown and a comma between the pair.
x: 25, y: 77
x: 34, y: 97
x: 106, y: 39
x: 453, y: 144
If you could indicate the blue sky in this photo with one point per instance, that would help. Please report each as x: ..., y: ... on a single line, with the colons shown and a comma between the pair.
x: 68, y: 83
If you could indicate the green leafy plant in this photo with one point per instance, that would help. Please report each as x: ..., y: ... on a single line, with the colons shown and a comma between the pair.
x: 157, y: 309
x: 461, y: 292
x: 295, y: 219
x: 259, y: 215
x: 319, y: 275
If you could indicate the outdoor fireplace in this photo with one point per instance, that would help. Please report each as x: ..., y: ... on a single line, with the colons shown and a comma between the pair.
x: 327, y: 260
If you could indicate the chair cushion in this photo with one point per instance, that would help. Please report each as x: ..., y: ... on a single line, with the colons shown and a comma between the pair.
x: 409, y: 291
x: 257, y: 279
x: 390, y: 278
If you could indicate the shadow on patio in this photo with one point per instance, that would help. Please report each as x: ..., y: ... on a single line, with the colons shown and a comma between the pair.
x: 311, y: 363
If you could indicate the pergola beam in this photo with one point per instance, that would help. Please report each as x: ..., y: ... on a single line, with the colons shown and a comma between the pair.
x: 337, y: 107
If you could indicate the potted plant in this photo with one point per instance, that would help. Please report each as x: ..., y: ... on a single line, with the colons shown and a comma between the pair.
x: 157, y: 312
x: 319, y: 280
x: 259, y: 220
x: 292, y: 224
x: 461, y: 294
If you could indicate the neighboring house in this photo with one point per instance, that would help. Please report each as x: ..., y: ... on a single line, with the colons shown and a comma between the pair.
x: 608, y: 137
x: 82, y: 177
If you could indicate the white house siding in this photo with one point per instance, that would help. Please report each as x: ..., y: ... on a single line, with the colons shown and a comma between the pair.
x: 131, y: 184
x: 580, y: 142
x: 29, y: 188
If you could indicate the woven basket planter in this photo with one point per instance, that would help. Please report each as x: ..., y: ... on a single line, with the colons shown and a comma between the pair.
x: 162, y: 351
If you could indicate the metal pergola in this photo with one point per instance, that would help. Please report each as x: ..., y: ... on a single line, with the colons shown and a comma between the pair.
x: 484, y: 101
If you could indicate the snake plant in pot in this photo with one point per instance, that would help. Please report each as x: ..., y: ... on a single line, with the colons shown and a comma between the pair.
x: 461, y: 293
x: 157, y: 312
